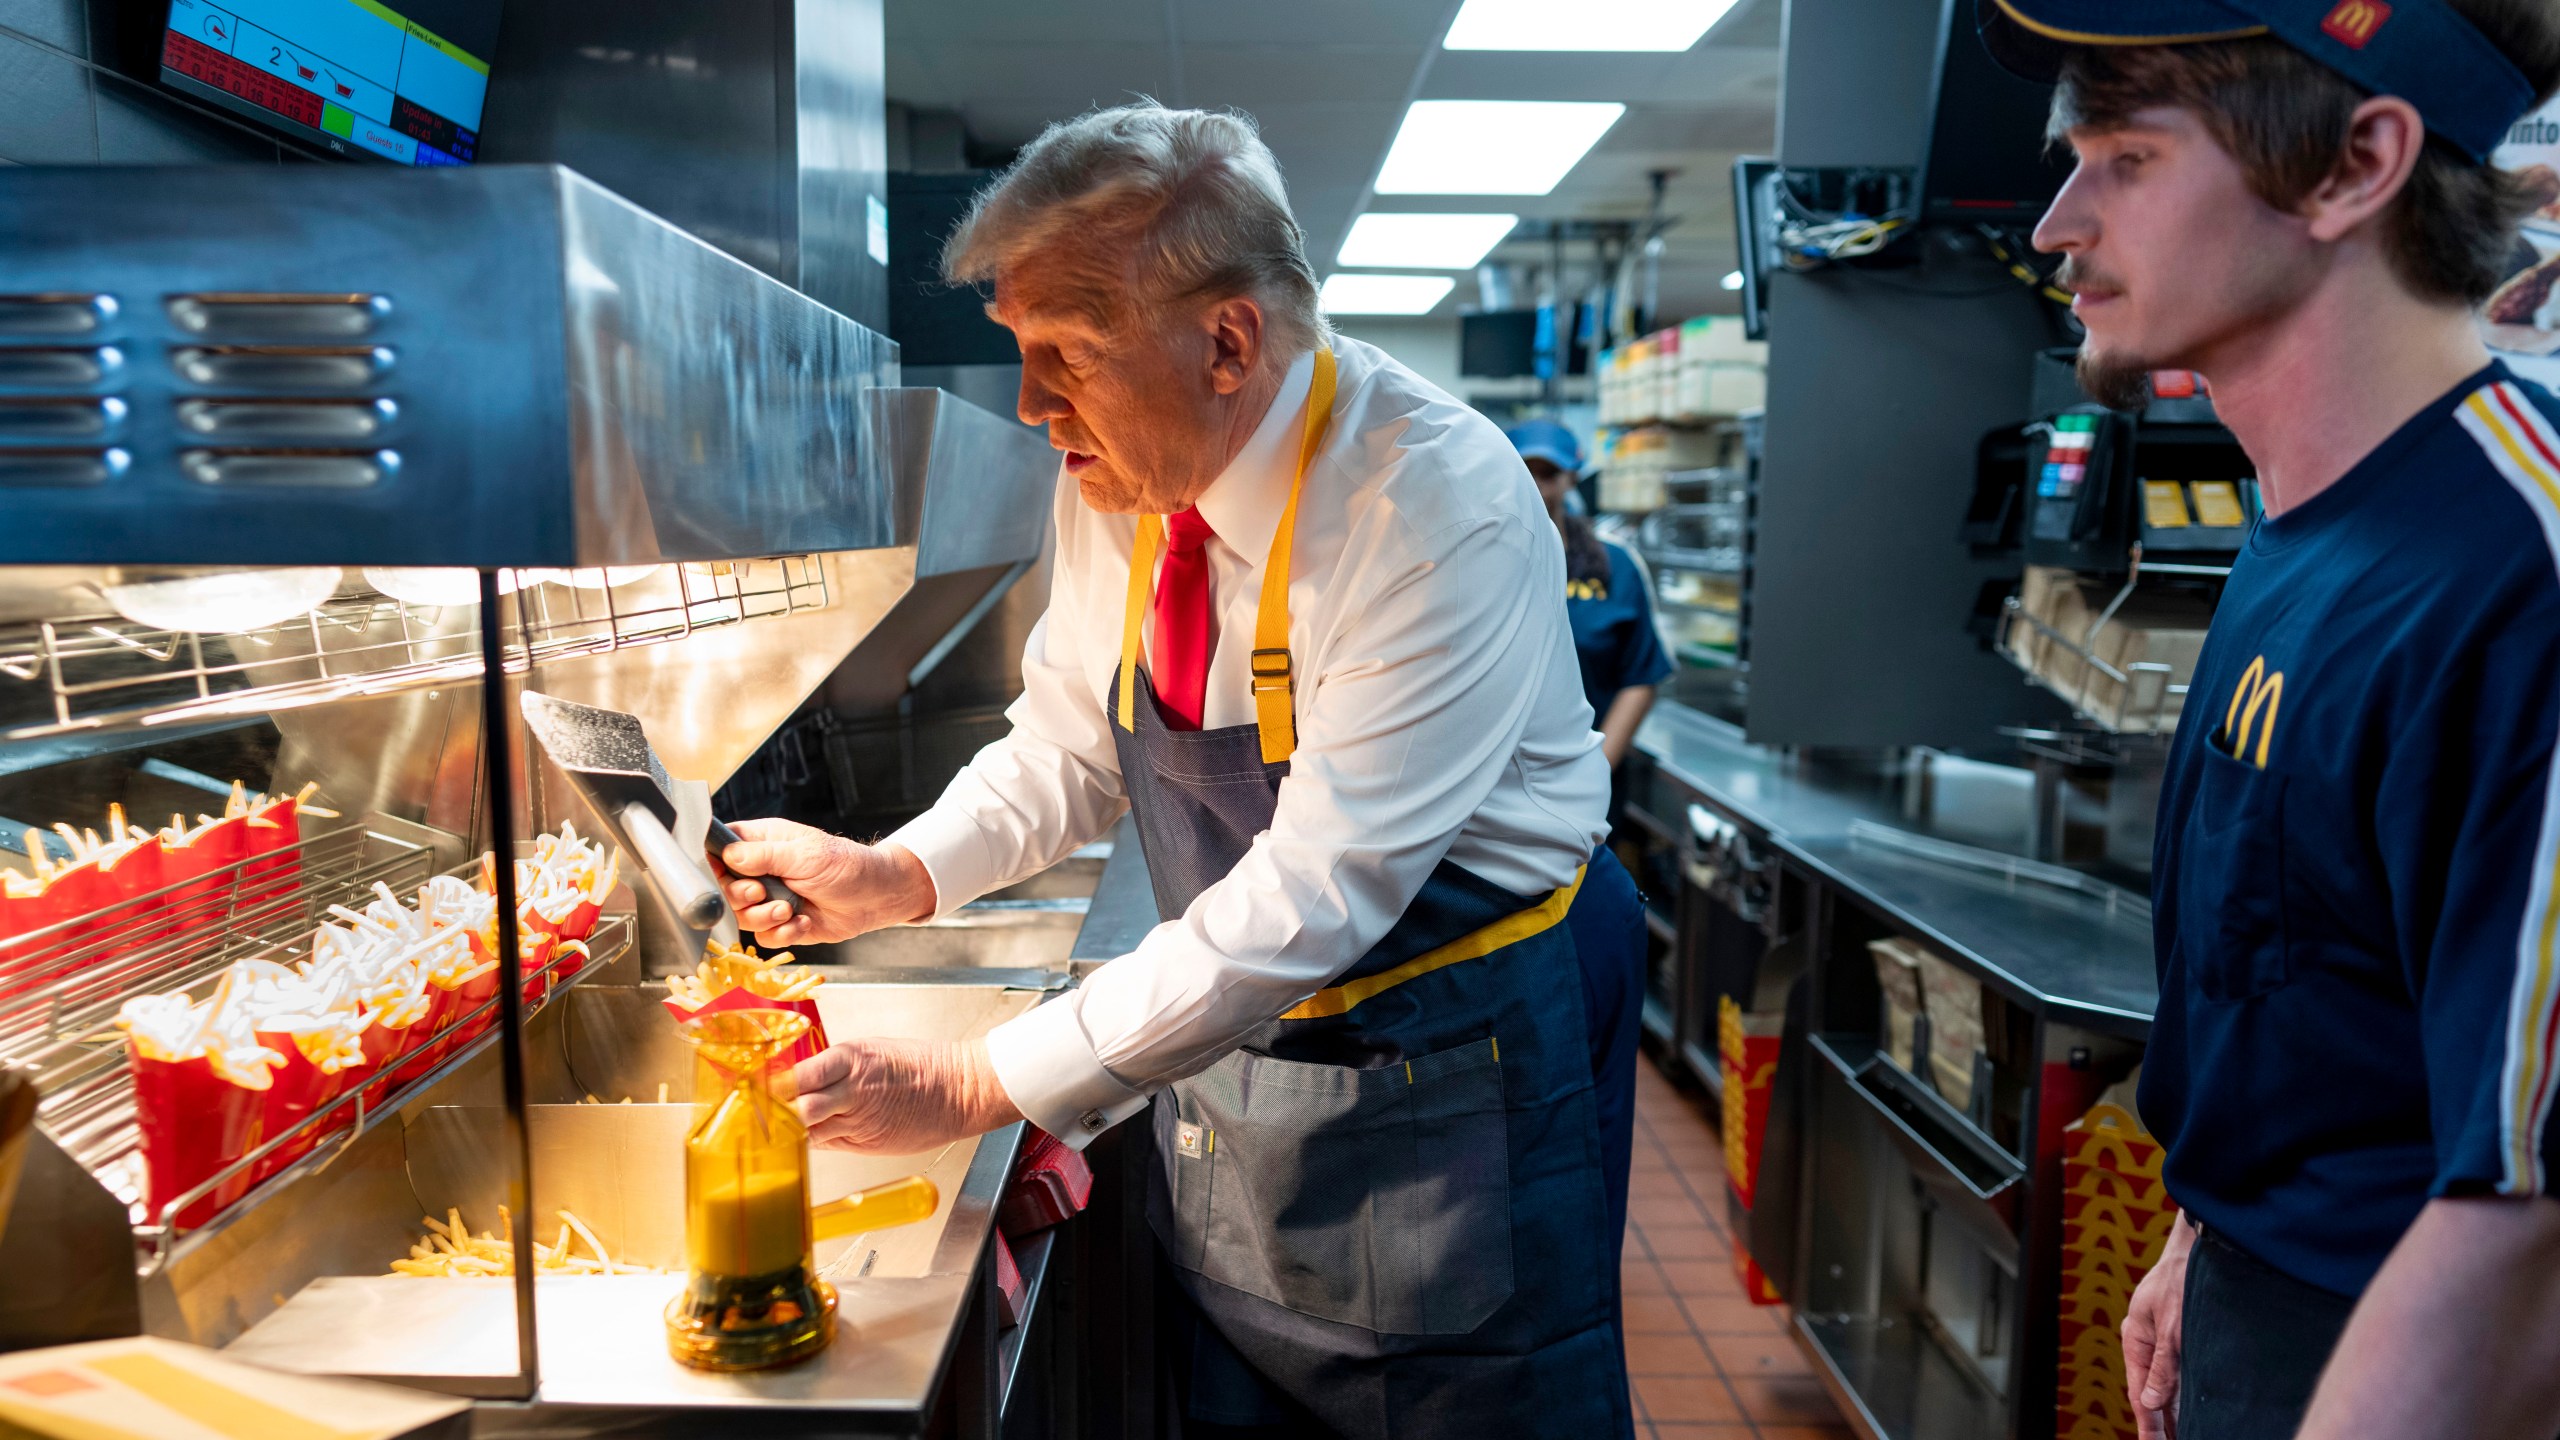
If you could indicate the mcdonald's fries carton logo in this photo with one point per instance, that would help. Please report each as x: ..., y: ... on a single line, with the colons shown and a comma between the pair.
x: 2255, y: 700
x: 2354, y: 22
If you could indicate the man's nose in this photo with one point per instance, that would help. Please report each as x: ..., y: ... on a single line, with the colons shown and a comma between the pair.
x: 1039, y: 403
x: 2067, y: 224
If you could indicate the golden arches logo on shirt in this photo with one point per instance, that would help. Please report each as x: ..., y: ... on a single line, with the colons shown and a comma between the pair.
x: 1586, y: 589
x: 2252, y: 716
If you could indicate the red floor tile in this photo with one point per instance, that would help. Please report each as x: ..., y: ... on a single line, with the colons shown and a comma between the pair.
x: 1665, y: 1210
x: 1683, y: 1242
x: 1642, y: 1277
x: 1702, y: 1278
x: 1679, y: 1354
x: 1655, y: 1315
x: 1730, y: 1315
x: 1705, y: 1363
x: 1790, y: 1400
x: 1686, y: 1397
x: 1772, y: 1355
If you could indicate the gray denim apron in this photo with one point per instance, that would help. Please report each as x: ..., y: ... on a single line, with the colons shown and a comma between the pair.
x: 1388, y: 1204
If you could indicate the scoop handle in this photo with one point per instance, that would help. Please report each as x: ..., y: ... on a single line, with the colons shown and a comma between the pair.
x: 684, y: 881
x: 900, y: 1202
x: 722, y: 837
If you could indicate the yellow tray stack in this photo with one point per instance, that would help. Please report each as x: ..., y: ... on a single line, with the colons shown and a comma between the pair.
x: 2116, y: 1216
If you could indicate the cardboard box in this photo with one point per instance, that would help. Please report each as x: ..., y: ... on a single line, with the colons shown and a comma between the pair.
x: 1898, y: 976
x: 171, y: 1391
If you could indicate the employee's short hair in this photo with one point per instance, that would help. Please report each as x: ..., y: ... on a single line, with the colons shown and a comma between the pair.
x: 2450, y: 235
x: 1192, y: 197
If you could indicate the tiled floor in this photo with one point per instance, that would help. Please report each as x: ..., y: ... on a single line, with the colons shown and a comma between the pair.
x: 1705, y: 1362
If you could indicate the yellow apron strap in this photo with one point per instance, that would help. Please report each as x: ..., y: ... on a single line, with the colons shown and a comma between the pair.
x: 1273, y: 682
x: 1509, y: 930
x: 1142, y: 587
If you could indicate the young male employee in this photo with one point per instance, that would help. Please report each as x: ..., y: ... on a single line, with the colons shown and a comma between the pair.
x: 2353, y: 1063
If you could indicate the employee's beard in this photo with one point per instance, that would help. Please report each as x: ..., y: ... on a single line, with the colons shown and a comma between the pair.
x: 2112, y: 381
x: 2115, y: 381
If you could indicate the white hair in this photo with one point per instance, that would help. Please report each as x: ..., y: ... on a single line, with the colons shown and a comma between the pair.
x: 1192, y: 196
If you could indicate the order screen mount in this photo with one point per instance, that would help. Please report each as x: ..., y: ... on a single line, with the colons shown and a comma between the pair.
x: 402, y: 81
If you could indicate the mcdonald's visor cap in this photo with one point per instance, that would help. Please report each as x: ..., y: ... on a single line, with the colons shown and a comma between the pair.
x: 2423, y: 51
x: 1546, y: 440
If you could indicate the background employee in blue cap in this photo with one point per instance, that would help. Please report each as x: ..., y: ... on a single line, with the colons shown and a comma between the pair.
x: 2357, y: 913
x: 1604, y: 596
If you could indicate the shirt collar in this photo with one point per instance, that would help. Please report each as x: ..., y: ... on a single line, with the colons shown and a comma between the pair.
x: 1243, y: 504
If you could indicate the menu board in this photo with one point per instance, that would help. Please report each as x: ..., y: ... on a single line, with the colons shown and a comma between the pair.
x: 355, y: 77
x: 2521, y: 321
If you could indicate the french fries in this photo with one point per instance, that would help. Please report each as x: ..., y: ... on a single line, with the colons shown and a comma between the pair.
x: 450, y: 1250
x: 724, y: 968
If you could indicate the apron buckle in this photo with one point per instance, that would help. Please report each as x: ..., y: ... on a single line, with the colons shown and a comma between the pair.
x: 1271, y: 669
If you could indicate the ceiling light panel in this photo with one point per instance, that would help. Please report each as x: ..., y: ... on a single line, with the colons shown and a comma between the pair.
x: 1583, y: 25
x: 1346, y: 294
x: 1492, y: 147
x: 1423, y: 242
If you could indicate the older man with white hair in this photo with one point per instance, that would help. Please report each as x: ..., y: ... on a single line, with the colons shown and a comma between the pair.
x: 1307, y: 621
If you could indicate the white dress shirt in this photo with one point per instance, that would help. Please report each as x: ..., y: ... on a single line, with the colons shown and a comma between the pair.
x: 1439, y: 712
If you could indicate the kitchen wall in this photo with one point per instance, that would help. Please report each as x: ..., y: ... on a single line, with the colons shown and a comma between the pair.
x: 1427, y: 346
x: 58, y: 107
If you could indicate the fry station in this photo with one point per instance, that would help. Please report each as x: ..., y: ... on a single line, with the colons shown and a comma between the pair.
x: 315, y: 1071
x: 1180, y: 720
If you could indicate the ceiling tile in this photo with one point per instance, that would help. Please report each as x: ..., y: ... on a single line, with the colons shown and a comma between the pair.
x: 1066, y: 78
x: 1411, y: 23
x: 1250, y: 75
x: 1327, y: 81
x: 1072, y: 22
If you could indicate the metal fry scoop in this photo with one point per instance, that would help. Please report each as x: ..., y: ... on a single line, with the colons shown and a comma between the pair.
x: 667, y: 821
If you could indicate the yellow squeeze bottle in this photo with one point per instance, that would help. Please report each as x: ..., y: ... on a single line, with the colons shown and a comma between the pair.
x: 751, y: 1298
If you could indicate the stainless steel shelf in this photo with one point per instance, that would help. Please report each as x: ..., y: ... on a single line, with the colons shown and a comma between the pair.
x: 1921, y: 1121
x: 1893, y: 1382
x: 85, y: 671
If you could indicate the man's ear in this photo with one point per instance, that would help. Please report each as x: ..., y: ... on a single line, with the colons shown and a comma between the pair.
x: 1236, y: 337
x: 2384, y: 139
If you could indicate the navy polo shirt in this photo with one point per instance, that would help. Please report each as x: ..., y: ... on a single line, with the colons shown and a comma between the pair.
x: 1613, y: 634
x: 2358, y: 835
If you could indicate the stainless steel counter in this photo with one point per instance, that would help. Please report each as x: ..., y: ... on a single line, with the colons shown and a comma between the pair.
x: 1123, y: 909
x: 2070, y: 954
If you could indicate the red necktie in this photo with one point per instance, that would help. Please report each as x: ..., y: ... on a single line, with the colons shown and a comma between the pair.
x: 1185, y: 632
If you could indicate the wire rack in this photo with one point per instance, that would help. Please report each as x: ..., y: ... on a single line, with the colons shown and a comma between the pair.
x: 93, y: 670
x: 2141, y: 698
x: 1706, y: 536
x: 61, y: 987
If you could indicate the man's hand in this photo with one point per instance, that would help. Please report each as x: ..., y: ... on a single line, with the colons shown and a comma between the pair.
x: 847, y: 888
x: 2154, y: 1330
x: 898, y: 1097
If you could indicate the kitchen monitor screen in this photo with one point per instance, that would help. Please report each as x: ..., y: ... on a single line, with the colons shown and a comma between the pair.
x: 402, y: 81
